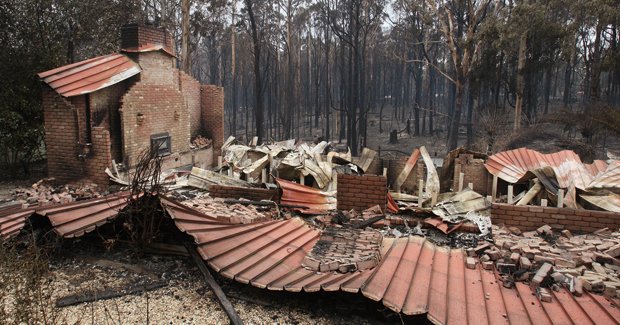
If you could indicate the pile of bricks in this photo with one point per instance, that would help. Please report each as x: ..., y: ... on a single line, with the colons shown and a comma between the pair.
x: 233, y: 213
x: 44, y: 193
x: 548, y: 259
x: 345, y: 250
x: 200, y: 142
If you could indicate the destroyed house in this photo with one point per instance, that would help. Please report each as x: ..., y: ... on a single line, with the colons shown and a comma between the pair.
x: 113, y: 107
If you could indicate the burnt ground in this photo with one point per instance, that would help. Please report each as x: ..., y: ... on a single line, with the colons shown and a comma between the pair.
x: 82, y: 267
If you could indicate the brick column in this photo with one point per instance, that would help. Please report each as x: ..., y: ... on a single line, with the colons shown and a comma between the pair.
x: 212, y: 104
x: 100, y: 157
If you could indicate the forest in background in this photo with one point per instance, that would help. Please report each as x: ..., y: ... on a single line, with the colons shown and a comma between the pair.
x: 476, y: 68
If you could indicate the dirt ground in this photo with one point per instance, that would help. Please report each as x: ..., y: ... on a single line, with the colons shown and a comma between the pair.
x: 185, y: 298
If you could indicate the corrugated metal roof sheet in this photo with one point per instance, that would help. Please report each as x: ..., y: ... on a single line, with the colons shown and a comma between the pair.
x: 68, y: 220
x: 607, y: 179
x: 314, y: 200
x: 90, y: 75
x: 513, y: 165
x: 608, y: 202
x: 413, y: 277
x: 12, y: 221
x: 77, y: 218
x: 148, y: 48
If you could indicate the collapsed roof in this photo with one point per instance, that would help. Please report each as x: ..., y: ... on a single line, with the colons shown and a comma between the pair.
x: 414, y: 276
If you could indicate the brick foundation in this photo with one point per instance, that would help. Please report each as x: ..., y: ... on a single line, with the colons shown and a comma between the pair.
x: 361, y: 192
x: 233, y: 192
x: 212, y: 103
x: 528, y: 217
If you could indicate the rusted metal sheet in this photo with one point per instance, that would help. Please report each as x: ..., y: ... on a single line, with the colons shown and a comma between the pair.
x: 312, y: 200
x: 366, y: 158
x: 609, y: 202
x: 90, y: 75
x: 607, y: 179
x: 77, y: 218
x: 513, y: 166
x: 148, y: 48
x: 414, y: 276
x: 392, y: 206
x: 597, y: 166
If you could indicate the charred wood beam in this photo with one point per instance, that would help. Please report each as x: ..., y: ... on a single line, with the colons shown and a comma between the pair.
x: 221, y: 296
x: 368, y: 222
x: 107, y: 294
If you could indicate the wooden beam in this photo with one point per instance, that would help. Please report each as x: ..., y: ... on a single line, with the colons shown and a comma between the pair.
x: 530, y: 194
x: 221, y: 296
x: 97, y: 295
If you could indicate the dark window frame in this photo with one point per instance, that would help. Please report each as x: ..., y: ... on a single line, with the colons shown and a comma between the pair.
x: 156, y: 143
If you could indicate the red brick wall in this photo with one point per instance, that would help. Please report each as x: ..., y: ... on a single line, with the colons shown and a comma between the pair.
x: 158, y: 69
x: 190, y: 88
x: 531, y: 217
x: 395, y: 166
x: 212, y: 103
x: 100, y: 156
x: 163, y: 109
x: 361, y: 192
x: 79, y: 104
x: 233, y: 192
x: 104, y: 105
x: 474, y: 172
x: 61, y: 137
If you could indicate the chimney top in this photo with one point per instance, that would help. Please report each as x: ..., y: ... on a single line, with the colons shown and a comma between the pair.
x: 136, y: 37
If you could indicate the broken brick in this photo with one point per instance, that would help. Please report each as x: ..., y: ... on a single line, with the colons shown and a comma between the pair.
x: 566, y: 233
x: 471, y: 263
x: 541, y: 274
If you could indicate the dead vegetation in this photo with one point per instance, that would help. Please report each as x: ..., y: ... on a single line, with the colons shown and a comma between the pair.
x: 143, y: 215
x: 25, y: 292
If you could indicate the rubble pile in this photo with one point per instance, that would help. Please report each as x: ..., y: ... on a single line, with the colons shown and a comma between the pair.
x: 230, y: 213
x: 201, y: 142
x: 44, y: 192
x: 548, y: 259
x: 345, y: 250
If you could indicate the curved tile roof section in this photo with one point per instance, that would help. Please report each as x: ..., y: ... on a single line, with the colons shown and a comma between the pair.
x: 68, y: 220
x: 413, y: 277
x: 90, y: 75
x: 513, y: 165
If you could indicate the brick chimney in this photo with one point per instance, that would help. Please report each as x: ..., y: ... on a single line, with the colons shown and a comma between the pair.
x: 136, y: 36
